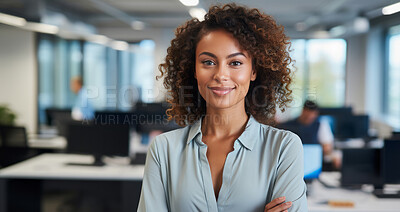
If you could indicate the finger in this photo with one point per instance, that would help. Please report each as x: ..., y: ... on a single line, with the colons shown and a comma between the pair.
x: 280, y: 208
x: 275, y: 202
x: 283, y: 207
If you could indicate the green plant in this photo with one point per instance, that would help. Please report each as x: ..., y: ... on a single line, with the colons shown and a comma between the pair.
x: 7, y: 116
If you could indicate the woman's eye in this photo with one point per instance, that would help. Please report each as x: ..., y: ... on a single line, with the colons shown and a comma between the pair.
x: 235, y: 63
x: 208, y: 62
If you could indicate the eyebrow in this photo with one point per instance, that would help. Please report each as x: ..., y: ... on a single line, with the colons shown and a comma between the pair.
x: 229, y: 56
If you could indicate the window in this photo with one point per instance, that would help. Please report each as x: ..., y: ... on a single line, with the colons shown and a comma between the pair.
x: 320, y: 68
x: 58, y: 60
x: 114, y: 79
x: 142, y: 69
x: 392, y: 107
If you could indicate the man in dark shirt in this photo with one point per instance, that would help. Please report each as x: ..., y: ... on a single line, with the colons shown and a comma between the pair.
x: 310, y: 129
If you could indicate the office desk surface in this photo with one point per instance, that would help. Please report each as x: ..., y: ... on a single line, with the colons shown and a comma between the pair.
x: 54, y: 166
x: 363, y: 201
x: 56, y: 142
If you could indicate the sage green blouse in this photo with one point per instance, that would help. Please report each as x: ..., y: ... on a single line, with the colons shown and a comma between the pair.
x: 266, y: 163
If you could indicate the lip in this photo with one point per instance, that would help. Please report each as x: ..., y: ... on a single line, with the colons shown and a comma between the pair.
x: 221, y: 91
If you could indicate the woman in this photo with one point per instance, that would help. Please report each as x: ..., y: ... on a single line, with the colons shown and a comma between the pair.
x: 226, y: 75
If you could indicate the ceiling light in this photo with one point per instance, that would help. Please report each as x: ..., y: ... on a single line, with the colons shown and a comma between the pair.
x: 120, y: 45
x: 137, y: 25
x: 43, y: 28
x: 100, y: 39
x: 189, y: 3
x: 321, y: 34
x: 338, y: 31
x: 198, y: 13
x: 69, y: 35
x: 391, y: 9
x: 361, y: 25
x: 12, y: 20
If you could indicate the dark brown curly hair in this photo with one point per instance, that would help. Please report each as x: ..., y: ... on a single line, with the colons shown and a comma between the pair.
x: 258, y: 34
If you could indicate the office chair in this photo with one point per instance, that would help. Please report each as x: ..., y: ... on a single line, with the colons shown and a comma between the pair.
x: 13, y: 136
x: 14, y: 145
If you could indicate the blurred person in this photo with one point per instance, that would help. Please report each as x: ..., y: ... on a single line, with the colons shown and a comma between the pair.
x: 225, y: 76
x: 312, y: 129
x: 82, y: 109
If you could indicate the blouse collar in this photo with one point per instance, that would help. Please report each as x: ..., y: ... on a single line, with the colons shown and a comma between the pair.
x: 246, y: 138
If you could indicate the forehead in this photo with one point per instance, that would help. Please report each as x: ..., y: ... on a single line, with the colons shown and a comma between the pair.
x: 219, y: 41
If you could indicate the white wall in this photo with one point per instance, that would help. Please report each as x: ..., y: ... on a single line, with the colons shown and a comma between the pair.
x: 18, y: 74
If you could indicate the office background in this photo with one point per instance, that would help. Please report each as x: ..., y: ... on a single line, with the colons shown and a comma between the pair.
x: 346, y: 54
x: 36, y: 66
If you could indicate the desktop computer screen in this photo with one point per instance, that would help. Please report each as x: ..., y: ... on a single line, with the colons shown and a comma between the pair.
x: 391, y: 160
x: 353, y: 126
x: 115, y: 117
x: 98, y: 140
x: 361, y: 166
x: 312, y: 160
x: 335, y: 111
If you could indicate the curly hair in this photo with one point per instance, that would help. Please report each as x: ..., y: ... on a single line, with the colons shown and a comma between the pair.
x: 258, y: 34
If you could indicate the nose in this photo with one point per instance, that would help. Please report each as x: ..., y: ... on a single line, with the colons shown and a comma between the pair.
x: 221, y: 73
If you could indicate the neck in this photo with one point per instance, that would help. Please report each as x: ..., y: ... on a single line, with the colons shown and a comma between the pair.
x: 224, y: 122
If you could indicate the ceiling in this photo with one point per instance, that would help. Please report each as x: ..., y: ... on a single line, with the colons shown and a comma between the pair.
x: 295, y: 15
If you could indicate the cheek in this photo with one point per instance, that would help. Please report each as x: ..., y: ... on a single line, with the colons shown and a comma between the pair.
x: 243, y: 79
x: 202, y: 76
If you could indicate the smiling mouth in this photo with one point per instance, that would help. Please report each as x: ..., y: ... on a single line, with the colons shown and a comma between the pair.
x: 220, y: 91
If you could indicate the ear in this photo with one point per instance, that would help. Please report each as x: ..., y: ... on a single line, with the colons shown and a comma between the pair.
x: 253, y: 75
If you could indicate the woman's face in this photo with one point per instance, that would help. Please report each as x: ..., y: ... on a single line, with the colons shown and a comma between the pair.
x: 223, y: 70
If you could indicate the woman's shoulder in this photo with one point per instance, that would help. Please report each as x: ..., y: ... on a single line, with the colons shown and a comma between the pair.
x: 172, y: 138
x: 268, y: 129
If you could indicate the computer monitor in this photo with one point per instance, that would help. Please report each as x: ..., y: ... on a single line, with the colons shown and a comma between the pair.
x: 98, y: 140
x: 361, y: 166
x: 335, y: 111
x: 115, y: 118
x: 312, y: 161
x: 152, y: 116
x: 353, y: 126
x: 54, y: 115
x: 390, y: 162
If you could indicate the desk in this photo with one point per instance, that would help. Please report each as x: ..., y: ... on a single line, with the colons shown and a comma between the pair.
x: 51, y: 169
x: 364, y: 201
x: 51, y: 142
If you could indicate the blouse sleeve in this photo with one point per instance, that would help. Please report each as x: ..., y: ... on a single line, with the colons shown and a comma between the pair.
x: 152, y: 197
x: 289, y: 181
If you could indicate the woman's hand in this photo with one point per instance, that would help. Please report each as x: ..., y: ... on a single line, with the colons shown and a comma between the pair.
x: 278, y: 205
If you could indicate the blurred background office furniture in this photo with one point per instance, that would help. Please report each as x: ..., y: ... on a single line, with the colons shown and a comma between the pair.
x: 361, y: 166
x: 13, y: 145
x: 115, y: 186
x: 375, y: 166
x: 312, y: 161
x: 98, y: 140
x: 351, y: 126
x: 324, y: 198
x: 53, y: 115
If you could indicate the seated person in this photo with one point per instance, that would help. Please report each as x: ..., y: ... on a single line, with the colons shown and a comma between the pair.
x: 82, y: 109
x: 311, y: 129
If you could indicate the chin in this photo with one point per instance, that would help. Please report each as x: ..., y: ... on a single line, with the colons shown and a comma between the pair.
x: 221, y: 104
